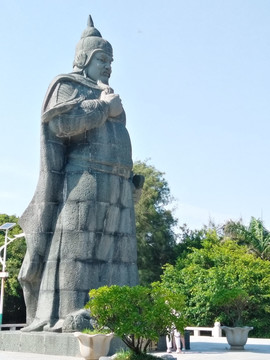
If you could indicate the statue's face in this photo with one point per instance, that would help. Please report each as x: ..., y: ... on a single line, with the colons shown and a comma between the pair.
x: 99, y: 67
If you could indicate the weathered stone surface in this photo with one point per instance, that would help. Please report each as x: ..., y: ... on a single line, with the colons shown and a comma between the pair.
x: 80, y: 224
x: 63, y: 344
x: 77, y: 321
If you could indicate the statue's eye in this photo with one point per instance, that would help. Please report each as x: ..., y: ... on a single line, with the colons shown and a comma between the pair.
x: 103, y: 60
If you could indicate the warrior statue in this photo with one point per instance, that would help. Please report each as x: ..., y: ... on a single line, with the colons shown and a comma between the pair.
x: 80, y: 224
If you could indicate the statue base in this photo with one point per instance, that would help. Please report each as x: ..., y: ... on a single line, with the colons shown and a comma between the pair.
x: 62, y: 344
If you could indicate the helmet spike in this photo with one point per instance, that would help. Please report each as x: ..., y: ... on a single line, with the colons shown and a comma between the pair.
x: 90, y: 29
x: 90, y: 22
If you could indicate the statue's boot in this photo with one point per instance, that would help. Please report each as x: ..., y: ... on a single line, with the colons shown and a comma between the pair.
x: 36, y: 325
x: 57, y: 327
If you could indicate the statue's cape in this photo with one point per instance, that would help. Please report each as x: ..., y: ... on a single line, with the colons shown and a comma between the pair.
x: 40, y: 215
x: 71, y: 102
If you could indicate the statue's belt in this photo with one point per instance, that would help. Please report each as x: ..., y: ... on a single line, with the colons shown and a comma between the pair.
x: 75, y: 165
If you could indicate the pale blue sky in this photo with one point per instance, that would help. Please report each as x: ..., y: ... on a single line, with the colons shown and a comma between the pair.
x: 194, y: 78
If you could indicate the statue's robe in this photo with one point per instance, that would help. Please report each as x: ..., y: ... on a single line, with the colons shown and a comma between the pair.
x: 80, y: 224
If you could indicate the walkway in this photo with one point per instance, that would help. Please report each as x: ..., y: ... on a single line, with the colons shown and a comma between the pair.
x: 202, y: 348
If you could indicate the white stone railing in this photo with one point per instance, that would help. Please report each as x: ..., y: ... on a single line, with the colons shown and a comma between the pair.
x: 216, y: 330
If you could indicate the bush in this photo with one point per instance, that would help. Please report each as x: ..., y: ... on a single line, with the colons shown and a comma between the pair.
x: 138, y: 315
x: 222, y: 280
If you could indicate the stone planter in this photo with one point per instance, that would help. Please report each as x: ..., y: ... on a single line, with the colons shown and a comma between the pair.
x: 237, y: 336
x: 94, y: 346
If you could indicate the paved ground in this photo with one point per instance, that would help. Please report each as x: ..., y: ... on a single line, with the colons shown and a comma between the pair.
x: 201, y: 348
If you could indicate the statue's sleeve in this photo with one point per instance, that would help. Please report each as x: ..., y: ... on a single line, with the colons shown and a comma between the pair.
x: 70, y: 113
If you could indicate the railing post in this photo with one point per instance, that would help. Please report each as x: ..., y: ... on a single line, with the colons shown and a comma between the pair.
x: 217, y: 332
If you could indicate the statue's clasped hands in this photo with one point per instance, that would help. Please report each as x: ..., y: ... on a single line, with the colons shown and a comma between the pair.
x: 113, y: 100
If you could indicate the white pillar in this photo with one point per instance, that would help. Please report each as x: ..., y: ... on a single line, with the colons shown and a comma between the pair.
x: 217, y: 332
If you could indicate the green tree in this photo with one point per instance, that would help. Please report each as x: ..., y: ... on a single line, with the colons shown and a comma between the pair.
x: 255, y: 236
x: 219, y: 270
x: 136, y: 314
x: 14, y: 306
x: 189, y: 239
x: 154, y: 224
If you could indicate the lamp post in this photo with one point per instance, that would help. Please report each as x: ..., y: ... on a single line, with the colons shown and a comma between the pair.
x: 3, y: 274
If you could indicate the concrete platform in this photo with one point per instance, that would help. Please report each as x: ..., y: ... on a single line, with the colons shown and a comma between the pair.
x: 39, y: 342
x: 46, y: 343
x: 202, y: 348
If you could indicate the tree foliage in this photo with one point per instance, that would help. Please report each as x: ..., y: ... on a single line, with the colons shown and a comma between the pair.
x: 154, y: 224
x: 223, y: 281
x: 189, y: 239
x: 255, y: 236
x: 136, y: 314
x: 14, y: 307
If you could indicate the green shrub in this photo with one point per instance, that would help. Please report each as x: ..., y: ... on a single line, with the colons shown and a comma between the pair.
x: 233, y: 304
x: 222, y: 280
x: 138, y: 315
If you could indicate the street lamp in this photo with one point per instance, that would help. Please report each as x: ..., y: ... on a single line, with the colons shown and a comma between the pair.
x: 3, y: 274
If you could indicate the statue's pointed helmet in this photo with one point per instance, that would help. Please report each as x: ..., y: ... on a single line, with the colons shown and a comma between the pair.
x: 90, y: 42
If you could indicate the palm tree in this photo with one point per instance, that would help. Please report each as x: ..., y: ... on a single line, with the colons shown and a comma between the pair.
x: 255, y: 236
x: 260, y: 239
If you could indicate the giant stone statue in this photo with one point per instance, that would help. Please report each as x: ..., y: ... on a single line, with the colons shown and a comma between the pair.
x: 80, y: 226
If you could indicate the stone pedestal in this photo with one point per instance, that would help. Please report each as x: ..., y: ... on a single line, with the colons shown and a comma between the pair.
x: 47, y: 343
